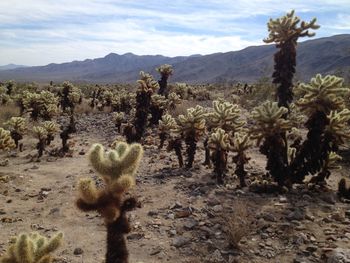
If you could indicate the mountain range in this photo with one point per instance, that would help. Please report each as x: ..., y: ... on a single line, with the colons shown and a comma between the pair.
x: 323, y: 55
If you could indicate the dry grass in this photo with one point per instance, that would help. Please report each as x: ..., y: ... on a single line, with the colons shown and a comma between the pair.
x: 8, y: 111
x: 238, y: 224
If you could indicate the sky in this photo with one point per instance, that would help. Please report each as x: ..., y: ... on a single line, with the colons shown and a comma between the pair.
x: 39, y: 32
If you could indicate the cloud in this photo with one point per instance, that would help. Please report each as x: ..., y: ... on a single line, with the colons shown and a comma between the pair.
x: 38, y: 32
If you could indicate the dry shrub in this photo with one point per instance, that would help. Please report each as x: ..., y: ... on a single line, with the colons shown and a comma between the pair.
x: 239, y: 223
x: 7, y: 111
x: 84, y: 107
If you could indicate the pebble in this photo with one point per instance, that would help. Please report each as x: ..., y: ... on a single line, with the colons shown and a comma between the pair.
x: 180, y: 241
x: 78, y: 251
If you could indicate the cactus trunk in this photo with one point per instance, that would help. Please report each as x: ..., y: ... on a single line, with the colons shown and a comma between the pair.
x: 191, y: 143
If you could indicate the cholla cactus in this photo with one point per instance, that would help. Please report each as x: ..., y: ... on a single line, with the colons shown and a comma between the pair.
x: 219, y: 143
x: 166, y: 125
x: 51, y: 128
x: 41, y: 134
x: 6, y: 142
x: 70, y: 96
x: 182, y: 89
x: 157, y: 108
x: 32, y: 248
x: 4, y: 96
x: 323, y: 94
x: 118, y: 119
x: 18, y: 127
x: 226, y: 116
x: 240, y: 144
x: 165, y: 71
x: 107, y: 97
x: 147, y: 85
x: 270, y: 126
x: 285, y: 32
x: 192, y: 127
x: 117, y: 168
x: 322, y: 101
x: 42, y: 105
x: 173, y: 100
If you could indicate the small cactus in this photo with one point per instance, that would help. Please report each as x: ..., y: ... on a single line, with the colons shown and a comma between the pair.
x: 32, y: 248
x: 17, y: 127
x: 51, y: 128
x: 118, y: 118
x: 41, y: 134
x: 6, y: 142
x: 157, y: 108
x: 192, y: 126
x: 166, y: 125
x: 117, y: 168
x: 240, y: 144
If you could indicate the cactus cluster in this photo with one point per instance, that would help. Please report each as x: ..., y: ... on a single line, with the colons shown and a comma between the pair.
x: 118, y: 119
x: 117, y: 169
x: 43, y: 104
x: 32, y: 248
x: 165, y: 71
x: 51, y: 129
x: 157, y: 108
x: 166, y: 125
x: 70, y: 96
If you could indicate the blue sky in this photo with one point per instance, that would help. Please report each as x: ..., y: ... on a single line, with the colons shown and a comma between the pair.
x: 38, y: 32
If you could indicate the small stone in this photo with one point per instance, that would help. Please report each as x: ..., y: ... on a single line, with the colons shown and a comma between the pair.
x: 152, y: 213
x: 180, y: 241
x: 296, y: 215
x: 218, y: 208
x: 190, y: 224
x: 78, y: 251
x: 311, y: 248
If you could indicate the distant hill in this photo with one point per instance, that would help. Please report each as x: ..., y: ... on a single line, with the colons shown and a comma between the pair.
x: 11, y: 66
x: 323, y: 55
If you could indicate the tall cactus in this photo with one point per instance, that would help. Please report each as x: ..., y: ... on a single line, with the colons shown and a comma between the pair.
x: 285, y: 32
x: 32, y: 248
x: 166, y: 125
x: 41, y: 134
x: 51, y: 129
x: 117, y: 169
x: 165, y: 71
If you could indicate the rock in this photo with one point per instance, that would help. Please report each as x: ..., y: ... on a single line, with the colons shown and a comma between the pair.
x: 152, y: 213
x: 338, y: 217
x: 155, y: 250
x: 296, y: 215
x: 339, y: 255
x: 78, y: 251
x: 183, y: 213
x: 176, y: 205
x: 311, y: 248
x: 180, y: 241
x: 218, y: 208
x: 190, y: 224
x: 269, y: 217
x: 329, y: 197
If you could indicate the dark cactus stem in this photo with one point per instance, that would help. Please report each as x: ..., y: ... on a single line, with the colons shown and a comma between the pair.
x: 241, y: 160
x: 191, y: 143
x: 207, y: 152
x: 314, y: 151
x: 49, y: 139
x: 129, y: 133
x: 176, y: 145
x: 284, y: 69
x: 41, y: 147
x: 343, y: 191
x: 156, y: 113
x: 273, y: 148
x: 162, y: 137
x: 219, y: 159
x: 16, y: 137
x: 117, y: 251
x: 64, y: 135
x: 163, y: 83
x: 118, y: 126
x: 143, y: 102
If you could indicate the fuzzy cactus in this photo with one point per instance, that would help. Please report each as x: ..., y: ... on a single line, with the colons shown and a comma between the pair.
x: 240, y: 144
x: 147, y: 86
x: 6, y: 141
x: 51, y: 129
x: 157, y: 108
x: 165, y: 71
x: 117, y: 169
x: 41, y: 134
x: 166, y: 125
x: 219, y: 143
x: 43, y: 104
x: 32, y: 248
x: 172, y: 101
x: 70, y: 96
x: 17, y: 127
x: 118, y: 119
x: 270, y: 125
x: 285, y: 32
x: 192, y: 126
x: 322, y: 101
